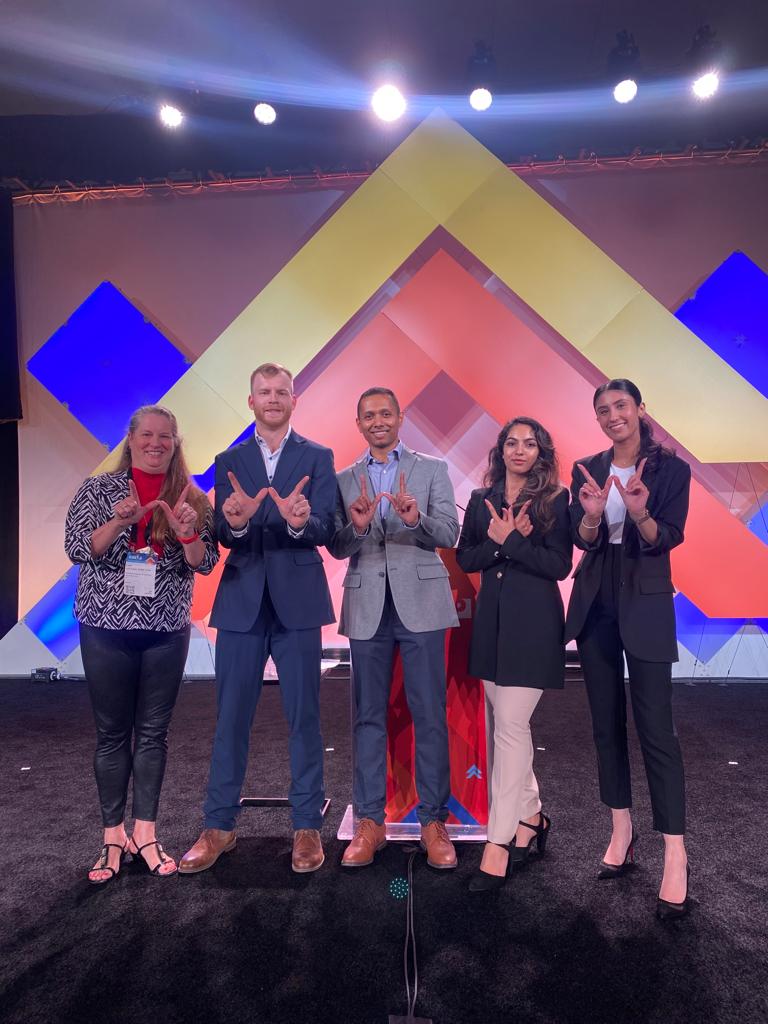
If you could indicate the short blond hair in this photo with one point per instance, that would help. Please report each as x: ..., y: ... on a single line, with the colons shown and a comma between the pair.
x: 271, y: 370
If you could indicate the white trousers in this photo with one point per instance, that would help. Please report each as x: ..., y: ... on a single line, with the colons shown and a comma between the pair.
x: 514, y: 792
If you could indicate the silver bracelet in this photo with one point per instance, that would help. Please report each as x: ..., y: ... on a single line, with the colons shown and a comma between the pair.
x: 587, y: 526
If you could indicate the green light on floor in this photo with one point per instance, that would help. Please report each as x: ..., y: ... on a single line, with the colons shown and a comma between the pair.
x: 398, y: 888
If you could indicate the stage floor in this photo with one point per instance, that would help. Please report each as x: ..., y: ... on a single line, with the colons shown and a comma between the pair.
x: 251, y: 941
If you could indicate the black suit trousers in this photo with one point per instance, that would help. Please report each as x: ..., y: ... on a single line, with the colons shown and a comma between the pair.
x: 650, y: 686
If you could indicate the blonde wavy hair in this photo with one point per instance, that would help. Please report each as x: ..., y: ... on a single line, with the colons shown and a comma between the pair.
x: 176, y: 478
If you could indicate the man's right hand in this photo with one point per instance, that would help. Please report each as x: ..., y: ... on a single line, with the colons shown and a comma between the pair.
x: 363, y: 509
x: 239, y: 507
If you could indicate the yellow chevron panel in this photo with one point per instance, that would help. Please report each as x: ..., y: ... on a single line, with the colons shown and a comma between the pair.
x: 207, y: 422
x: 538, y: 253
x: 439, y: 165
x: 542, y: 257
x: 601, y: 310
x: 698, y: 397
x: 320, y: 288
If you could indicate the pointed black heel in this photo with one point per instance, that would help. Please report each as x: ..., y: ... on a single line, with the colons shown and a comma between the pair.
x: 518, y: 855
x: 666, y: 911
x: 483, y: 881
x: 608, y: 871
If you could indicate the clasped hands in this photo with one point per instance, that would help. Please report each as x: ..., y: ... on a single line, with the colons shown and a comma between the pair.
x: 363, y: 509
x: 593, y: 498
x: 502, y: 525
x: 182, y: 518
x: 239, y: 507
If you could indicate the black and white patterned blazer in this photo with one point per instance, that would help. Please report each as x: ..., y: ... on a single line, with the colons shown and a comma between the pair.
x: 100, y: 600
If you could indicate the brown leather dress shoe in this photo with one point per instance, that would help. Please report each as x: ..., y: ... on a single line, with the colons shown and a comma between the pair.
x: 307, y: 851
x: 207, y: 850
x: 440, y: 851
x: 367, y: 840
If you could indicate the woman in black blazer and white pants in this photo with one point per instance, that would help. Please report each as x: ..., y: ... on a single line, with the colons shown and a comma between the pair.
x: 628, y: 510
x: 517, y: 533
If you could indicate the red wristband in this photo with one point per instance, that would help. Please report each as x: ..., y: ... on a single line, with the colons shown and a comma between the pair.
x: 188, y: 540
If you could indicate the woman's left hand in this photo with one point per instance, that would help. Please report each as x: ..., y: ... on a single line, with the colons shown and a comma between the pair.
x: 523, y: 523
x: 634, y: 493
x: 500, y: 526
x: 182, y: 518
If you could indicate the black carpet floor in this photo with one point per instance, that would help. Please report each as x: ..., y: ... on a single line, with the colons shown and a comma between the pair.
x: 251, y: 941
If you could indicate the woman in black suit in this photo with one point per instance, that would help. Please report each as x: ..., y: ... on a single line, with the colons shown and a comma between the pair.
x: 516, y: 532
x: 629, y: 506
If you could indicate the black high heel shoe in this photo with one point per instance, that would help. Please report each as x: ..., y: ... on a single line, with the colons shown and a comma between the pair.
x: 606, y: 871
x: 666, y: 911
x: 484, y: 881
x: 520, y: 854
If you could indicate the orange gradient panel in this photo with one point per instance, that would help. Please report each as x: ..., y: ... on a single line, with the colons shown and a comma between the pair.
x: 509, y: 370
x: 381, y: 354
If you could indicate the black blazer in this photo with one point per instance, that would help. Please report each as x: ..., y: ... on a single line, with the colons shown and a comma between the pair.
x: 517, y: 633
x: 292, y: 568
x: 646, y: 611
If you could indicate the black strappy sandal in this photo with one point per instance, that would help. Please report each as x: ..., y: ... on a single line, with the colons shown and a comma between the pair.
x: 518, y: 855
x: 164, y: 859
x: 102, y: 865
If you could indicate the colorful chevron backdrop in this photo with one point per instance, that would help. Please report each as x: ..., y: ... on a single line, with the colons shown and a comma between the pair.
x: 446, y: 276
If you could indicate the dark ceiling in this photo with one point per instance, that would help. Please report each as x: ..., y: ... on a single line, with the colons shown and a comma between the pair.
x: 79, y: 82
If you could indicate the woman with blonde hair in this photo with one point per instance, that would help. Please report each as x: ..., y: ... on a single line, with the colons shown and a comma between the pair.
x: 139, y: 535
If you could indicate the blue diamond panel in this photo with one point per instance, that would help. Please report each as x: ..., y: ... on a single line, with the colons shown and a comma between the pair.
x: 52, y: 620
x: 702, y: 636
x: 758, y: 524
x: 105, y: 362
x: 728, y: 313
x: 206, y: 480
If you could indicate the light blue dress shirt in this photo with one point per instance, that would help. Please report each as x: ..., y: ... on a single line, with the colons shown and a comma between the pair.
x: 385, y: 476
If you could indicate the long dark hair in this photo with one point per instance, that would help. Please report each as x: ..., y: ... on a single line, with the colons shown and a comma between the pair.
x: 650, y: 449
x: 542, y: 483
x: 176, y: 477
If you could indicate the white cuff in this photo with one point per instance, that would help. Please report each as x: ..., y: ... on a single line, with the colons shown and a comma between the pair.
x: 241, y: 533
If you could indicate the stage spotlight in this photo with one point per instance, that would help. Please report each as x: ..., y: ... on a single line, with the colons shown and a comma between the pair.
x: 480, y: 99
x: 625, y: 91
x: 265, y: 113
x: 170, y: 116
x: 703, y: 59
x: 623, y: 67
x: 481, y: 76
x: 388, y: 103
x: 705, y: 86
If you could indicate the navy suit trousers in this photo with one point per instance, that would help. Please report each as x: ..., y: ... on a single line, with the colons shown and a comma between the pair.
x: 240, y: 660
x: 423, y: 657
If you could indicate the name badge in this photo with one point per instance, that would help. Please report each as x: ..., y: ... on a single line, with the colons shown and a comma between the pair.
x: 139, y: 577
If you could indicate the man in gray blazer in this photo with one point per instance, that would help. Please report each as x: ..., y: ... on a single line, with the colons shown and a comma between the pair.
x: 394, y: 508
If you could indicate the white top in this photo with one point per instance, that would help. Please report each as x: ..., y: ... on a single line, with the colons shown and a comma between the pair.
x: 615, y: 509
x: 271, y: 458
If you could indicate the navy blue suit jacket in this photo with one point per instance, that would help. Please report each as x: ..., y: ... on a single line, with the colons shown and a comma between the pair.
x: 292, y: 568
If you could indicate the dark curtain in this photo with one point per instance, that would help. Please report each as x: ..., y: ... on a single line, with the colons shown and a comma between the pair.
x: 10, y: 412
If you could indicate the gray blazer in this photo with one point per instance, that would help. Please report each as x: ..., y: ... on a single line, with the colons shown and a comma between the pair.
x: 418, y: 578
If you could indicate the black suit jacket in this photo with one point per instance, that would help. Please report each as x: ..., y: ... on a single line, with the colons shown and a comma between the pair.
x: 517, y: 632
x: 292, y: 568
x: 646, y: 611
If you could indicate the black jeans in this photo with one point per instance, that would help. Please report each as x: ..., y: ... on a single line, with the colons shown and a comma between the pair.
x: 133, y: 680
x: 650, y: 686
